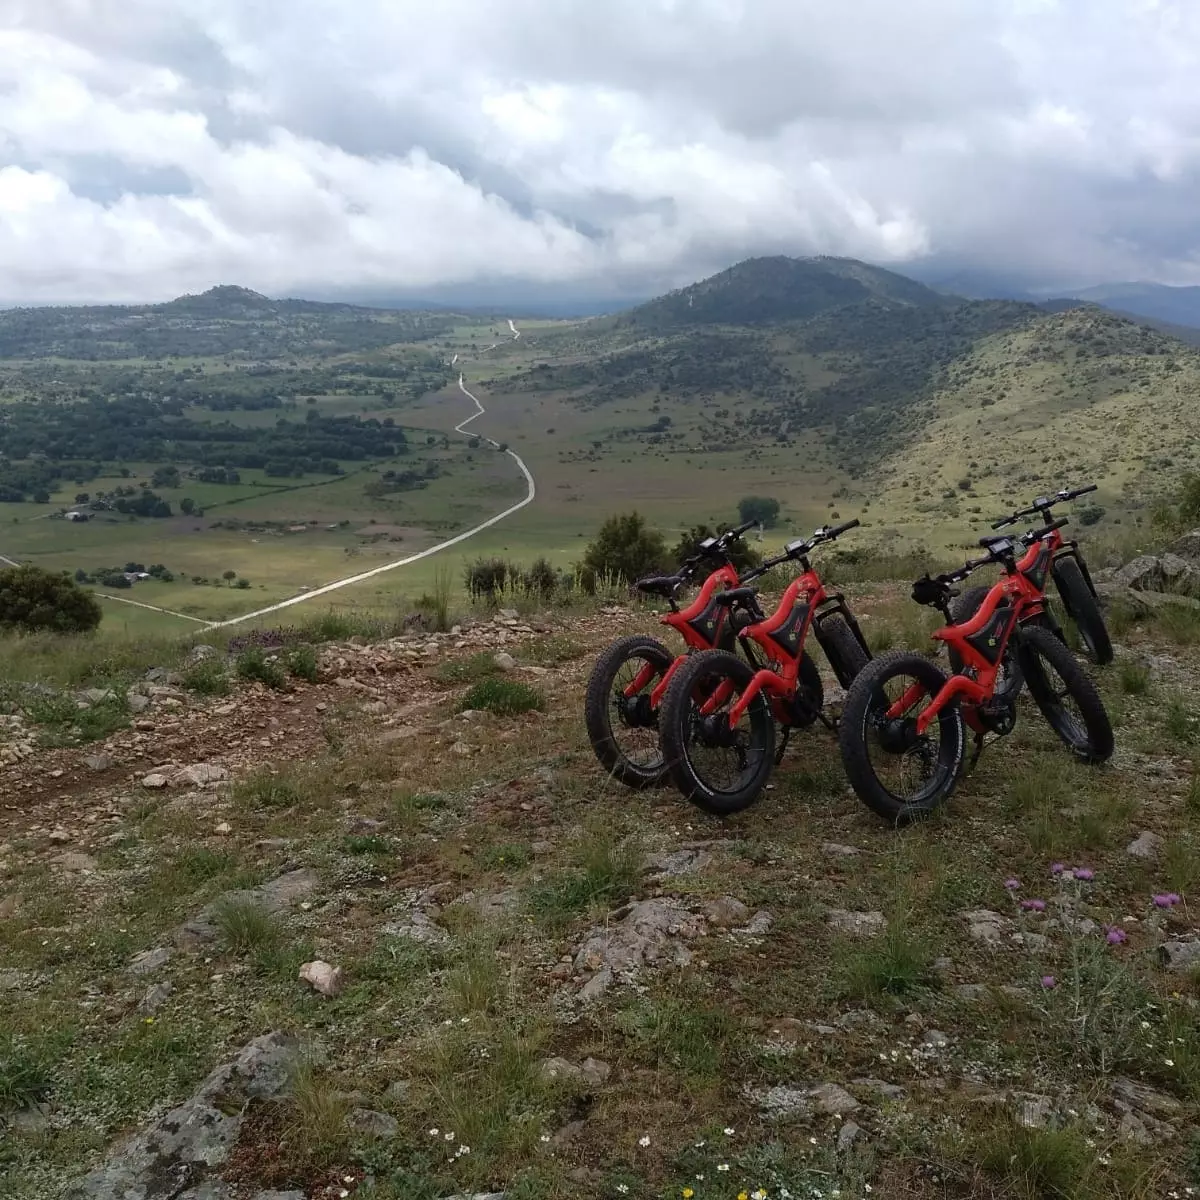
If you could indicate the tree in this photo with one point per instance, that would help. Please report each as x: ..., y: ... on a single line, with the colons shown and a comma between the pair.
x: 741, y: 554
x: 165, y: 477
x: 228, y: 574
x: 187, y: 506
x: 625, y: 548
x: 32, y: 599
x: 41, y: 497
x: 82, y: 498
x: 763, y: 509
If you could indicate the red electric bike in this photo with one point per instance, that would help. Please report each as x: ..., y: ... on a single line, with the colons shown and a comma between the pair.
x: 903, y: 728
x: 720, y: 711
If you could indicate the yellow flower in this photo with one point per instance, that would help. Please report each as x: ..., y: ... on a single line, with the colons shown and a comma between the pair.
x: 688, y: 1194
x: 743, y: 1196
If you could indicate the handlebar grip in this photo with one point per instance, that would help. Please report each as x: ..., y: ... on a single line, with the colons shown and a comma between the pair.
x: 838, y: 530
x: 1083, y: 491
x: 742, y: 529
x: 1000, y: 524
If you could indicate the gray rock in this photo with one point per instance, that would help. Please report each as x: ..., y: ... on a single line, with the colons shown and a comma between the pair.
x: 504, y: 661
x: 985, y: 926
x: 596, y: 986
x: 163, y: 675
x: 72, y: 860
x: 782, y: 1101
x: 644, y: 933
x: 137, y: 704
x: 202, y: 775
x: 273, y: 897
x: 889, y: 1091
x: 274, y: 1195
x: 156, y: 996
x: 857, y: 924
x: 418, y: 927
x: 1145, y: 1098
x: 183, y: 1148
x: 1145, y: 845
x: 837, y: 850
x: 202, y: 652
x: 12, y: 980
x: 726, y: 912
x: 935, y: 1037
x: 670, y: 863
x: 96, y: 695
x: 758, y: 925
x: 971, y: 991
x: 98, y: 762
x: 154, y: 780
x: 1180, y: 956
x: 592, y: 1071
x: 149, y: 960
x: 373, y: 1124
x: 1033, y: 1111
x: 847, y: 1136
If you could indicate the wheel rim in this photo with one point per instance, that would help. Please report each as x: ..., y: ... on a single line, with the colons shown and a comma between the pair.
x: 1058, y: 705
x: 724, y: 759
x: 632, y: 720
x: 915, y: 769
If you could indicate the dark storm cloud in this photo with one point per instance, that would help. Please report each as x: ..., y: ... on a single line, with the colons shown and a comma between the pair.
x: 149, y: 147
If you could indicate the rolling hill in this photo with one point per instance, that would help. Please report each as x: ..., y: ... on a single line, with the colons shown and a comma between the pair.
x: 1175, y: 305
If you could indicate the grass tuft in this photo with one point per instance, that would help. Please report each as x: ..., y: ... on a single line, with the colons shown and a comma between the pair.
x: 245, y: 925
x: 1134, y: 677
x: 254, y: 666
x: 208, y: 678
x: 504, y: 697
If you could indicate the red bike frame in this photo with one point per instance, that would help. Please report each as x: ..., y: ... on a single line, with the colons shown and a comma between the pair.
x: 980, y: 643
x: 782, y: 637
x: 701, y: 625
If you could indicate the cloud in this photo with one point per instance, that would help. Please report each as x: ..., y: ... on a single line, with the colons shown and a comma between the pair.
x: 149, y: 147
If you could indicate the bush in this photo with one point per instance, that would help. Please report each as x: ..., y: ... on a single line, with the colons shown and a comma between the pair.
x: 302, y: 662
x: 253, y: 664
x: 763, y: 509
x: 541, y: 579
x: 1090, y: 514
x: 487, y: 576
x: 624, y: 548
x: 741, y: 554
x: 504, y: 697
x: 32, y: 599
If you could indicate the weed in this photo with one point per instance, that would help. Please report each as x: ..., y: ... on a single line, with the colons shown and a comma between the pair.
x: 1191, y: 802
x: 265, y: 788
x: 1032, y: 1163
x: 606, y: 873
x: 898, y: 963
x: 1134, y: 677
x: 1178, y: 720
x: 207, y: 678
x: 881, y: 638
x: 474, y: 982
x: 1179, y: 624
x: 506, y: 856
x: 1120, y: 618
x: 555, y: 650
x: 684, y: 1034
x: 65, y: 723
x: 196, y: 864
x: 1181, y: 865
x: 302, y: 663
x: 245, y: 925
x: 320, y: 1112
x: 505, y: 697
x: 468, y: 670
x: 25, y: 1077
x: 366, y: 844
x: 253, y: 665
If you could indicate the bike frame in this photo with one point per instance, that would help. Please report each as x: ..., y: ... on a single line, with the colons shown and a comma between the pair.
x: 1035, y: 564
x: 703, y: 625
x: 781, y: 636
x: 980, y: 643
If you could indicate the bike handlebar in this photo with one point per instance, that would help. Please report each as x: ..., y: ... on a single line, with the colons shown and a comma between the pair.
x: 1043, y: 504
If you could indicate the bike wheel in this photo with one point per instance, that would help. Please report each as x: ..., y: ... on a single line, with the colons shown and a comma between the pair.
x: 1082, y: 608
x: 1056, y: 678
x: 1009, y: 679
x: 718, y: 768
x: 624, y: 730
x: 843, y: 650
x: 900, y: 775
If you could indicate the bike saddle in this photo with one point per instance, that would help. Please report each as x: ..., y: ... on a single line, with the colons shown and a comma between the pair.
x: 734, y: 595
x: 658, y: 585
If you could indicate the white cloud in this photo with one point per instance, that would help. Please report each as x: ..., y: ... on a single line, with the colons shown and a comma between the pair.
x: 149, y: 147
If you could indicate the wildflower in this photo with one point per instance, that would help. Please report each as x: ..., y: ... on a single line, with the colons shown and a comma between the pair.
x: 545, y: 1137
x: 729, y: 1131
x: 644, y: 1140
x: 433, y: 1133
x: 1012, y: 884
x: 449, y: 1136
x: 1057, y: 868
x: 743, y: 1196
x: 758, y: 1194
x: 1047, y: 981
x: 722, y: 1166
x: 1166, y: 900
x: 623, y: 1188
x: 1084, y: 873
x: 1034, y: 905
x: 687, y: 1194
x: 1169, y: 1061
x: 1115, y: 936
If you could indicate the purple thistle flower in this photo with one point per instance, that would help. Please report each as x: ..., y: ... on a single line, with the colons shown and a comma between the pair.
x: 1057, y: 868
x: 1034, y: 905
x: 1115, y: 936
x: 1084, y: 873
x: 1166, y: 900
x: 1012, y: 884
x: 1047, y: 981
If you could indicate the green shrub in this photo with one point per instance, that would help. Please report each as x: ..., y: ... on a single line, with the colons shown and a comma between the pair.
x: 32, y: 599
x: 504, y: 697
x: 207, y: 678
x: 253, y: 664
x: 625, y: 547
x: 302, y: 663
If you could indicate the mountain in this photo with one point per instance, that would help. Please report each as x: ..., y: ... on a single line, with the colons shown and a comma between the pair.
x: 764, y: 291
x: 1176, y: 305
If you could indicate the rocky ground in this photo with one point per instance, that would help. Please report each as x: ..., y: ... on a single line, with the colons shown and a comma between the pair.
x: 362, y: 934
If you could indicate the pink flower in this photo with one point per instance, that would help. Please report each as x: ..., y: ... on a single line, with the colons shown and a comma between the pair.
x: 1057, y: 869
x: 1047, y: 981
x: 1012, y: 884
x: 1115, y: 936
x: 1084, y: 873
x: 1034, y: 905
x: 1166, y: 900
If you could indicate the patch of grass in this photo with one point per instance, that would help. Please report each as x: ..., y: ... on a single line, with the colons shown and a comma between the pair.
x: 1133, y: 676
x: 245, y: 925
x: 506, y: 856
x: 685, y: 1034
x: 1036, y: 784
x: 196, y: 864
x: 898, y: 962
x: 468, y: 670
x: 253, y: 665
x: 366, y: 844
x: 302, y: 663
x: 1191, y: 801
x: 320, y: 1110
x: 1179, y: 624
x: 474, y: 982
x: 1120, y: 618
x: 555, y: 650
x: 265, y: 788
x: 1178, y: 720
x: 25, y: 1075
x: 1181, y: 865
x: 64, y: 723
x: 208, y: 677
x: 505, y: 697
x: 605, y: 872
x: 881, y: 638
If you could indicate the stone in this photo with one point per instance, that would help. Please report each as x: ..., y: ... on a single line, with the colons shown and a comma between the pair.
x: 138, y: 704
x: 670, y: 863
x: 189, y: 1143
x: 504, y: 661
x: 935, y: 1037
x: 202, y: 775
x: 399, y: 734
x: 273, y: 897
x: 154, y: 780
x: 889, y: 1091
x: 59, y: 834
x: 1145, y: 1098
x: 156, y: 996
x: 71, y: 860
x: 971, y: 991
x: 837, y: 850
x: 984, y: 925
x: 98, y: 762
x: 202, y: 652
x: 781, y: 1101
x: 12, y: 980
x: 758, y: 924
x: 323, y: 978
x: 1179, y: 956
x: 373, y: 1124
x: 1033, y: 1111
x: 149, y: 960
x: 857, y: 924
x: 1158, y: 573
x: 223, y: 827
x: 97, y: 695
x: 726, y: 912
x: 1145, y: 845
x: 461, y: 749
x: 419, y: 927
x: 643, y: 933
x: 847, y: 1136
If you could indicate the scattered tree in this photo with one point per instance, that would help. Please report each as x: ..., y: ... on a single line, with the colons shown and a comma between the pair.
x: 741, y: 553
x: 625, y: 548
x: 32, y: 599
x: 187, y: 506
x: 763, y: 509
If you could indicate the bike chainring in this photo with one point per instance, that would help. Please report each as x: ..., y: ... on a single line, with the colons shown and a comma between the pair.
x: 998, y: 716
x: 636, y: 712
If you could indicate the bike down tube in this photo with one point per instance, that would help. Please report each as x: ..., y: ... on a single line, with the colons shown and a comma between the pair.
x: 764, y: 681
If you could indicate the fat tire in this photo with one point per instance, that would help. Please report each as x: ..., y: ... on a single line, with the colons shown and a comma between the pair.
x: 1082, y: 608
x: 673, y: 716
x: 843, y: 650
x: 852, y: 737
x: 597, y: 710
x: 1040, y: 643
x: 962, y: 608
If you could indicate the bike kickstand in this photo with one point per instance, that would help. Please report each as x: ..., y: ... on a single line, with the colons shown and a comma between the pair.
x: 787, y: 733
x: 975, y: 753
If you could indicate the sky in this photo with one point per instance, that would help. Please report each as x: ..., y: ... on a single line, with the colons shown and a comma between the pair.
x: 589, y: 147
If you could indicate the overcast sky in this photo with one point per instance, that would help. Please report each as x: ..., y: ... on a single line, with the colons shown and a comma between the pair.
x: 153, y: 147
